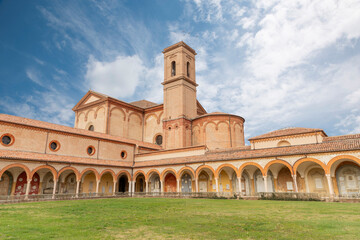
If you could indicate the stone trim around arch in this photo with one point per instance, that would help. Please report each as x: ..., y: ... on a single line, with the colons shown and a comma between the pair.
x: 165, y: 171
x: 267, y: 166
x: 97, y: 175
x: 183, y: 170
x: 151, y: 172
x: 77, y: 173
x: 137, y: 173
x: 314, y: 160
x: 119, y: 174
x: 241, y: 168
x: 200, y: 168
x: 24, y: 167
x: 108, y: 171
x: 337, y: 158
x: 218, y: 170
x: 52, y: 170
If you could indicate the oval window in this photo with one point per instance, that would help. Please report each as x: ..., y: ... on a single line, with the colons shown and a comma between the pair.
x: 91, y: 150
x: 123, y: 154
x: 54, y: 146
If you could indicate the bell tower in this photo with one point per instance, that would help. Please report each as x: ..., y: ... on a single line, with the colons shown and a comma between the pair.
x: 180, y: 105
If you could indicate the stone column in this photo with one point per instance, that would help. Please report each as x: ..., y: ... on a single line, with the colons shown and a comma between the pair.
x: 239, y: 182
x: 27, y: 189
x: 295, y: 183
x: 196, y: 185
x: 147, y: 187
x: 97, y: 188
x: 133, y: 187
x: 77, y: 188
x: 265, y: 183
x: 177, y: 185
x: 130, y: 187
x: 331, y: 188
x: 114, y: 188
x: 162, y: 186
x: 252, y: 186
x: 217, y: 184
x: 54, y: 190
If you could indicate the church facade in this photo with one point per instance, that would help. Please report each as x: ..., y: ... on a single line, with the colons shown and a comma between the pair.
x: 116, y: 147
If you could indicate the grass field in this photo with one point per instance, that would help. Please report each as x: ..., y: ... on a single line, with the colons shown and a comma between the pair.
x: 151, y: 218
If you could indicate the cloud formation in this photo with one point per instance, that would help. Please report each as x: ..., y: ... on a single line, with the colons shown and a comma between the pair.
x: 118, y: 78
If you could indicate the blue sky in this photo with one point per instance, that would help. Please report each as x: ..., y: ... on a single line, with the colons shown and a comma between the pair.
x: 276, y: 63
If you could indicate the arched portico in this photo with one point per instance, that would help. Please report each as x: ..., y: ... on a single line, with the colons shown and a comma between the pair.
x: 226, y: 179
x: 154, y: 183
x: 283, y: 177
x: 168, y: 177
x: 345, y: 175
x: 247, y: 172
x: 68, y: 181
x: 314, y: 177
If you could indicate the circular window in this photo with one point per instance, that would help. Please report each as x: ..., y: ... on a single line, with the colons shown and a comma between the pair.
x: 91, y: 150
x: 91, y: 128
x: 54, y: 145
x: 7, y: 139
x: 123, y: 154
x: 159, y: 140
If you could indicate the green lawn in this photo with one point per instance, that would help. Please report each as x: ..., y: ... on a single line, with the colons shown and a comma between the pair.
x: 151, y: 218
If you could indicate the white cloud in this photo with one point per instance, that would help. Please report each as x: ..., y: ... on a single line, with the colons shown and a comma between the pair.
x: 34, y: 76
x: 118, y: 78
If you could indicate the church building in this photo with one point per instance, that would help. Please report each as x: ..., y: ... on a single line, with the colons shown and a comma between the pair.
x: 177, y: 146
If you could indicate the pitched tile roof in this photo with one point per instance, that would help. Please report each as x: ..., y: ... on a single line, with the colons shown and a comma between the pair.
x: 32, y: 156
x: 65, y: 129
x: 287, y: 132
x: 144, y: 104
x: 226, y: 155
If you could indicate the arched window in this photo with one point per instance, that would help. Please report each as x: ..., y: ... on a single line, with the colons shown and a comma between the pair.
x: 188, y: 69
x: 283, y: 143
x: 91, y: 128
x: 158, y: 139
x: 173, y: 68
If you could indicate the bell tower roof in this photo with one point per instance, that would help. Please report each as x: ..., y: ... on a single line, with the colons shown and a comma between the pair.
x: 179, y: 44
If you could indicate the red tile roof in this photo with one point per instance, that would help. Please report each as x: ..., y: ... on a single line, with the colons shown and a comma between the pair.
x: 32, y: 156
x: 287, y: 132
x: 226, y: 155
x: 65, y: 129
x: 144, y: 104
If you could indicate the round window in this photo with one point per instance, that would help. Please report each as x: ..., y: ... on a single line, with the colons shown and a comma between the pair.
x: 159, y: 139
x: 54, y: 146
x: 123, y: 154
x: 91, y: 150
x: 6, y: 140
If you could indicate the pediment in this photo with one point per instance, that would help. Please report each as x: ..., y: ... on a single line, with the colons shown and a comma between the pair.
x: 90, y: 98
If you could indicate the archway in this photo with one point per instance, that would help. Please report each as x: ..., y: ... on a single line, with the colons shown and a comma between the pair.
x: 284, y: 181
x: 140, y: 183
x: 170, y: 183
x: 248, y: 181
x: 67, y: 182
x: 348, y: 179
x: 206, y: 179
x: 260, y: 182
x: 21, y: 184
x: 123, y: 183
x: 6, y: 183
x: 312, y: 176
x: 106, y: 184
x: 344, y: 172
x: 88, y: 182
x: 154, y: 183
x: 186, y: 183
x: 204, y: 182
